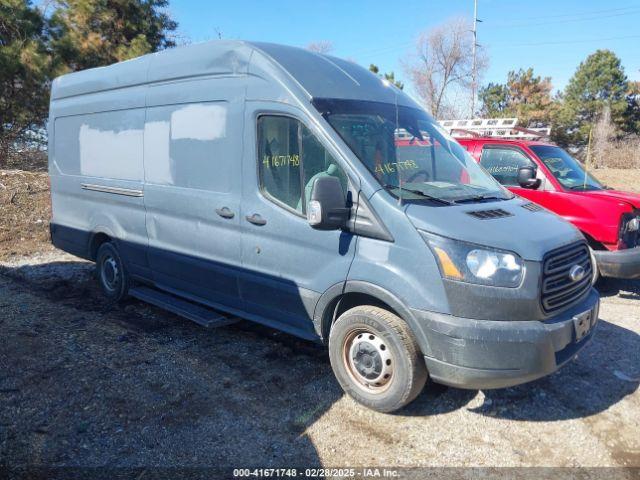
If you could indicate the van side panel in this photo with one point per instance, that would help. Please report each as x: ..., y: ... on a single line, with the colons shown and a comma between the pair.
x: 101, y: 145
x: 97, y: 174
x: 192, y: 167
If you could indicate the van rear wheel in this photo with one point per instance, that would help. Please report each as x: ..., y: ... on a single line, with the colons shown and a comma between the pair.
x: 111, y: 273
x: 376, y: 359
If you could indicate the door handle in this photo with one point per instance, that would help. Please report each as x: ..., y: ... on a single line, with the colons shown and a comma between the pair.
x: 224, y: 212
x: 256, y: 219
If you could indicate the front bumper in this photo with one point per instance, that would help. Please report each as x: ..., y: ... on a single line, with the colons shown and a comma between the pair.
x: 484, y: 354
x: 619, y: 263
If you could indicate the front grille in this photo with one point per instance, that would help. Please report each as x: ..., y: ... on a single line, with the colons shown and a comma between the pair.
x: 558, y: 289
x: 488, y: 214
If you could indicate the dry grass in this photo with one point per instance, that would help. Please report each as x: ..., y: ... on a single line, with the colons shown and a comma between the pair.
x: 617, y: 153
x: 25, y: 210
x: 29, y: 160
x: 619, y: 178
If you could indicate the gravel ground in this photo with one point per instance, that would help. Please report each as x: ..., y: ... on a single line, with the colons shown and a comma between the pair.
x: 83, y: 384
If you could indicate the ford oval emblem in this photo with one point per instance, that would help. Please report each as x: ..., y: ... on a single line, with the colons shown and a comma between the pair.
x: 577, y: 273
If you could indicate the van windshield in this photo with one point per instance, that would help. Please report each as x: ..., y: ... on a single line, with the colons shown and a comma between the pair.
x: 409, y: 153
x: 565, y: 168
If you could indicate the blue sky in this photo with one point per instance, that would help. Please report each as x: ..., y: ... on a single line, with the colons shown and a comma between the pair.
x: 551, y: 36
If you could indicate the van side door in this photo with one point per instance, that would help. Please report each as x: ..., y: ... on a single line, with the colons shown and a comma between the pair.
x: 287, y: 264
x: 193, y: 186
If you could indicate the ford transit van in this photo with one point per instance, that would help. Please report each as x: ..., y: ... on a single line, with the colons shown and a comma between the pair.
x: 301, y: 191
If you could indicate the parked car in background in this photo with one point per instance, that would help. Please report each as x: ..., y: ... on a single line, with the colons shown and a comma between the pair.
x: 549, y: 176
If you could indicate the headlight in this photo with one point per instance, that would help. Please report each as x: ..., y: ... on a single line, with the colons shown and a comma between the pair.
x: 467, y: 262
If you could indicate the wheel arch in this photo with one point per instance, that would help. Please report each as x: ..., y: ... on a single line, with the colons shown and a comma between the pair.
x: 96, y: 239
x: 341, y: 297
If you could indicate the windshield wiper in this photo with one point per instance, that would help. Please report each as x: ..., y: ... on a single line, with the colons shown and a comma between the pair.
x: 584, y: 187
x: 479, y: 198
x: 418, y: 192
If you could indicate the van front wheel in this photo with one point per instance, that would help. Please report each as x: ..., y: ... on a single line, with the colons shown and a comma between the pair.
x: 376, y: 359
x: 111, y: 274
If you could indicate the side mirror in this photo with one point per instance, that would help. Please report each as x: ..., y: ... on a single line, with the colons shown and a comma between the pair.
x: 327, y: 208
x: 527, y: 177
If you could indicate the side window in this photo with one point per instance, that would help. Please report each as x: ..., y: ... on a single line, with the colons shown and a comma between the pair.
x: 290, y: 158
x: 190, y: 146
x: 503, y: 164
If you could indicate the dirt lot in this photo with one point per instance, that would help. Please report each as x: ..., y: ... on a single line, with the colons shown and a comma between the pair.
x: 25, y: 211
x: 83, y: 384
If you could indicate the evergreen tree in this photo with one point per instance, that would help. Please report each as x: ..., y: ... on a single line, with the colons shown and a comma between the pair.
x: 494, y: 100
x: 390, y: 77
x: 599, y: 82
x: 525, y: 96
x: 530, y: 97
x: 25, y: 69
x: 92, y: 33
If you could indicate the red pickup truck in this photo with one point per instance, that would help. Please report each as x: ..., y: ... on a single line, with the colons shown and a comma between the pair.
x: 547, y: 175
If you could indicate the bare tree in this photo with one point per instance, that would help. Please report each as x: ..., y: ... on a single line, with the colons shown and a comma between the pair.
x: 602, y: 136
x: 441, y: 70
x: 322, y: 46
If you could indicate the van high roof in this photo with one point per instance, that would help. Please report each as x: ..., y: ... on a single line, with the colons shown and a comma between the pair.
x: 313, y: 75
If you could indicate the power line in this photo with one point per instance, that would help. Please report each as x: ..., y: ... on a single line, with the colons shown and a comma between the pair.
x: 582, y: 14
x: 511, y: 45
x: 561, y: 22
x: 564, y: 42
x: 392, y: 48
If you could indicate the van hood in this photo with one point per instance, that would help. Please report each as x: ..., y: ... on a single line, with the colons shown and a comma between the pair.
x: 530, y: 234
x: 616, y: 195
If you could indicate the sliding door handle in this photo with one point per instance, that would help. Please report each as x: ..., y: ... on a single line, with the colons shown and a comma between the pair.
x: 224, y: 212
x: 256, y: 219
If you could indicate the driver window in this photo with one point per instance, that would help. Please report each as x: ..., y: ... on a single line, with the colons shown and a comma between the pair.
x: 290, y: 158
x: 503, y: 164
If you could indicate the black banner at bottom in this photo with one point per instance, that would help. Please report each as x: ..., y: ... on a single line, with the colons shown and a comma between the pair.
x: 436, y: 473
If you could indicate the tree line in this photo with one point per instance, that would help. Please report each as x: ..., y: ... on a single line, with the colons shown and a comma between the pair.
x: 599, y: 92
x: 598, y: 97
x: 39, y: 43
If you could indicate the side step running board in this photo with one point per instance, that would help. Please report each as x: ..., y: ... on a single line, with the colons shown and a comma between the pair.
x: 202, y: 315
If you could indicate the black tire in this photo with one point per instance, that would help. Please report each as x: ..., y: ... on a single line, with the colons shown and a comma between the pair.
x: 111, y: 273
x: 361, y: 342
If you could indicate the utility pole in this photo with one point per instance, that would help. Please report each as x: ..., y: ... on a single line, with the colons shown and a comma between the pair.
x: 474, y: 68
